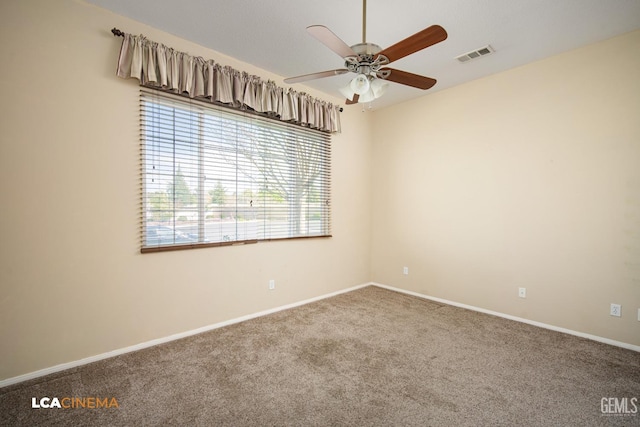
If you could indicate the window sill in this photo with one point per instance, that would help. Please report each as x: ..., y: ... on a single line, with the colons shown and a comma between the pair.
x: 152, y: 249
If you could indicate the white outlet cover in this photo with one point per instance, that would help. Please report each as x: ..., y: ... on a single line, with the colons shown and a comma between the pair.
x: 522, y: 292
x: 616, y: 310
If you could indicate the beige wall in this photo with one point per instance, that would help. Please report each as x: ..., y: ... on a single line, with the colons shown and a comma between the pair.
x: 72, y: 281
x: 529, y: 178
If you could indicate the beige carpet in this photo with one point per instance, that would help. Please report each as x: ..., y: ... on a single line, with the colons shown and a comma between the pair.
x: 367, y: 357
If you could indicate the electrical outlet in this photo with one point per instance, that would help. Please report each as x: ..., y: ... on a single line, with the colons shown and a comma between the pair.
x: 272, y: 284
x: 639, y: 315
x: 616, y: 310
x: 522, y: 292
x: 405, y: 271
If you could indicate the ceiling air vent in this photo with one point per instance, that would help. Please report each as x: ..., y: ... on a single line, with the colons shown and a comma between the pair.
x: 475, y: 54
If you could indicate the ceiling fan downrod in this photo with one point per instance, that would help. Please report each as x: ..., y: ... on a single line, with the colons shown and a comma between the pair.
x: 364, y: 21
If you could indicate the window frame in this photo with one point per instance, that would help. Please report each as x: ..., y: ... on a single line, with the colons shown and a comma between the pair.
x: 316, y: 140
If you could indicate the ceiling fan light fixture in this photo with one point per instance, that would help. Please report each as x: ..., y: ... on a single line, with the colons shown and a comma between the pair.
x: 377, y: 88
x: 360, y: 84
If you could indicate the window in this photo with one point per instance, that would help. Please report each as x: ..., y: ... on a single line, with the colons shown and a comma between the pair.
x: 214, y: 176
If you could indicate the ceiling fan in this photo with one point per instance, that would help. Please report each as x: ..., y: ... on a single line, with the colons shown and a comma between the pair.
x: 369, y: 61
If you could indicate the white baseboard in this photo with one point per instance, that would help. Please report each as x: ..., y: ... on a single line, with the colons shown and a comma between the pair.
x: 517, y: 319
x: 107, y: 355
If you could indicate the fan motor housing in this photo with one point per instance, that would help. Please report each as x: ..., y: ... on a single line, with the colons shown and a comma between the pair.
x: 366, y: 49
x: 368, y: 61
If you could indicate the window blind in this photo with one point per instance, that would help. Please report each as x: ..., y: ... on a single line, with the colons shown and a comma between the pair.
x: 215, y: 176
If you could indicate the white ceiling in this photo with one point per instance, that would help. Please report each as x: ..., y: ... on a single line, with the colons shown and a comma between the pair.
x: 271, y: 34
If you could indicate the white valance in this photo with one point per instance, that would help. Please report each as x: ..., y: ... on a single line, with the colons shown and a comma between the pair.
x: 158, y: 66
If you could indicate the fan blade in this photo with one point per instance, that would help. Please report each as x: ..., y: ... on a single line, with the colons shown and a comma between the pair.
x: 420, y: 40
x: 329, y: 39
x: 313, y: 76
x: 410, y: 79
x: 354, y: 100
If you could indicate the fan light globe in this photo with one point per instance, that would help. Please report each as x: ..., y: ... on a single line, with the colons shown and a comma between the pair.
x: 360, y: 84
x: 379, y: 86
x: 368, y: 96
x: 347, y: 92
